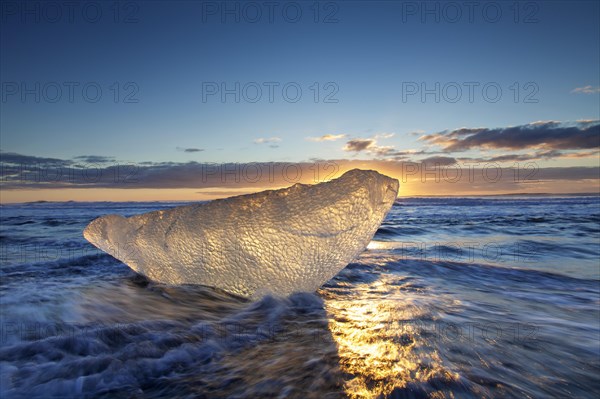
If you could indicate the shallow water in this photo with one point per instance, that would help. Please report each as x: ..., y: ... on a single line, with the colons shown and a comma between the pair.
x: 455, y: 297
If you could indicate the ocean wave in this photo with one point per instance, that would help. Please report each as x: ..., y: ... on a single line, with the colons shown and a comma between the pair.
x: 183, y: 357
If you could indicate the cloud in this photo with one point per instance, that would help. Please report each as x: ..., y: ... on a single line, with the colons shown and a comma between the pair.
x: 438, y: 160
x: 384, y: 135
x: 546, y: 135
x: 358, y: 145
x: 18, y: 159
x: 94, y: 158
x: 580, y: 154
x: 327, y: 137
x: 263, y: 140
x: 551, y: 154
x: 586, y: 90
x: 190, y: 149
x: 584, y: 122
x: 511, y: 158
x: 250, y: 177
x: 383, y: 151
x: 370, y: 146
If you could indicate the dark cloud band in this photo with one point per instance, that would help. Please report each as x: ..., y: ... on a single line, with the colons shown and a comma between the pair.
x: 542, y: 135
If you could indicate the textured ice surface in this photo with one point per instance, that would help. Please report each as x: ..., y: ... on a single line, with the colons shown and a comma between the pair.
x: 278, y: 241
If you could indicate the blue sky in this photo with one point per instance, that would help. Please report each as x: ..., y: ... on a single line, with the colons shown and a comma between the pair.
x: 167, y: 54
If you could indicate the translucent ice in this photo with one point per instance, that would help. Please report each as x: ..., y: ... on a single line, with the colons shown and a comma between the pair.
x: 277, y: 241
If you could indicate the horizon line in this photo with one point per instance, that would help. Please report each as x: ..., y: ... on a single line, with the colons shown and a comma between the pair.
x: 583, y: 194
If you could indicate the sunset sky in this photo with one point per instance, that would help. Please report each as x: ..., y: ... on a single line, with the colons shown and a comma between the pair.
x: 152, y: 100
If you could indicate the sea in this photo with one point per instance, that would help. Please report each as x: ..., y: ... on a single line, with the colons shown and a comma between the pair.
x: 474, y: 297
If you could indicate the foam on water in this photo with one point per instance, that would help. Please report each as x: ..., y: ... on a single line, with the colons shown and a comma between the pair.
x: 201, y: 356
x: 280, y: 242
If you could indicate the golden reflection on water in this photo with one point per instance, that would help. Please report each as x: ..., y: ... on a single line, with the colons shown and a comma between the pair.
x: 379, y: 349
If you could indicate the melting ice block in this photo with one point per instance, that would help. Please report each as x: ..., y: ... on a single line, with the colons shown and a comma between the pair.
x: 276, y: 241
